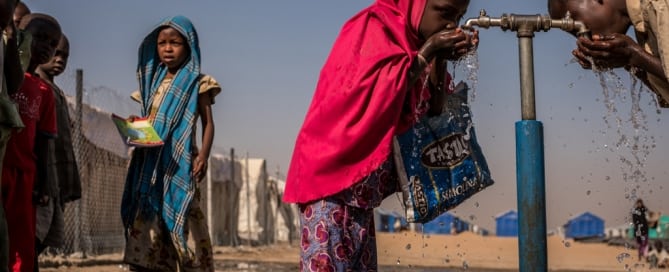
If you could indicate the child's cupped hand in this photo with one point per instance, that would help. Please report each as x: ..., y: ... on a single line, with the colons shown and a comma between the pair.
x: 199, y: 168
x: 605, y: 51
x: 450, y: 43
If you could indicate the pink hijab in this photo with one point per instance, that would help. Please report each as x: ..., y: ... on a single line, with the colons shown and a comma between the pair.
x: 357, y: 107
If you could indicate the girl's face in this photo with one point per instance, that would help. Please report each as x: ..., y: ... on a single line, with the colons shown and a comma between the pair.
x: 441, y: 14
x: 172, y: 48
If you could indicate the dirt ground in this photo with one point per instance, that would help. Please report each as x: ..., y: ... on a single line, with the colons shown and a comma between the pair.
x: 407, y: 251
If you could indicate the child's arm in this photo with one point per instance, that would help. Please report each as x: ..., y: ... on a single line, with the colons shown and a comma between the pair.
x: 42, y: 178
x: 204, y: 109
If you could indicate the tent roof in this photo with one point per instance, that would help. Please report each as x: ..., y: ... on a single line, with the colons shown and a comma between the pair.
x: 507, y: 214
x: 585, y: 215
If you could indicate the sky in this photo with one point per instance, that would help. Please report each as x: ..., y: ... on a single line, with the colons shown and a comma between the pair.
x: 268, y: 54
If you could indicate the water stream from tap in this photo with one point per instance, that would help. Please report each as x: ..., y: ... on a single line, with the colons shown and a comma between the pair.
x: 633, y: 142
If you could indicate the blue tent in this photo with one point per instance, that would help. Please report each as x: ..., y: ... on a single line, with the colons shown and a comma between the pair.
x: 446, y: 223
x: 585, y: 225
x: 507, y: 224
x: 389, y: 221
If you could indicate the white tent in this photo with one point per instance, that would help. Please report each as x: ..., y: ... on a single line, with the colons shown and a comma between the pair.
x: 256, y: 219
x: 226, y: 181
x: 286, y: 214
x: 246, y: 206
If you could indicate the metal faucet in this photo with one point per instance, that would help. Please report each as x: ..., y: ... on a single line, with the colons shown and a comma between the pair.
x: 528, y: 23
x: 529, y: 134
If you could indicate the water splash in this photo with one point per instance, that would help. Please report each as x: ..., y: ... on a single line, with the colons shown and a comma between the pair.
x: 622, y: 256
x: 633, y: 143
x: 469, y: 64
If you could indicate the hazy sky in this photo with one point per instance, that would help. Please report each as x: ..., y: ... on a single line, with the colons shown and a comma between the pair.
x: 268, y: 54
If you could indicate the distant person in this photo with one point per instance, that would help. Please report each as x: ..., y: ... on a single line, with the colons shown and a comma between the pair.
x: 640, y: 224
x: 11, y: 78
x: 164, y: 224
x: 28, y: 149
x: 610, y: 47
x: 65, y: 184
x: 370, y: 89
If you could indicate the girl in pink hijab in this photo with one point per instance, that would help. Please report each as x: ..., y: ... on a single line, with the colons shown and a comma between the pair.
x: 370, y: 89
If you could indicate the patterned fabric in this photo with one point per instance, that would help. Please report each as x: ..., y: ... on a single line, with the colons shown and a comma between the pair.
x: 37, y: 109
x: 159, y: 181
x: 338, y: 232
x: 149, y: 244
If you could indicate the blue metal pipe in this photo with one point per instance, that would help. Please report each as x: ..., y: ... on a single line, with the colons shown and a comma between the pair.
x: 531, y: 196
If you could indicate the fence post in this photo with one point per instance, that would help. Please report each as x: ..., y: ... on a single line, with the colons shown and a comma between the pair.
x: 210, y: 205
x: 232, y: 230
x: 76, y: 245
x: 248, y: 201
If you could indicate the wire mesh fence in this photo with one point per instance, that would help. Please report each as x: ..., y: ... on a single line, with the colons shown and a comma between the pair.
x: 243, y: 205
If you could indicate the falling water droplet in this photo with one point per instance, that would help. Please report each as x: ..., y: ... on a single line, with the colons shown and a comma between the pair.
x: 622, y: 256
x: 465, y: 265
x: 398, y: 261
x: 408, y: 247
x: 476, y: 204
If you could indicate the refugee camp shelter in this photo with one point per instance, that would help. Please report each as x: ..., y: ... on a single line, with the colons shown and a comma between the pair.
x: 586, y: 225
x: 285, y: 214
x: 507, y: 224
x: 389, y: 221
x: 226, y: 183
x: 446, y: 223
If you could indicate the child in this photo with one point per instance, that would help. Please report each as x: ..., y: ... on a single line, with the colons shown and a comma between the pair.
x: 28, y: 148
x: 640, y: 224
x: 65, y: 185
x: 160, y: 206
x: 611, y: 48
x: 368, y: 91
x: 21, y: 11
x: 11, y: 78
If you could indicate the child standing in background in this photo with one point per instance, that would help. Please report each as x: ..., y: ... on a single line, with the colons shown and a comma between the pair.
x: 26, y: 171
x: 65, y: 183
x: 11, y: 78
x: 165, y: 227
x: 21, y: 11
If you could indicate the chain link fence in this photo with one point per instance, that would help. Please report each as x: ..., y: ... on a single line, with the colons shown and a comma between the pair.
x: 93, y: 223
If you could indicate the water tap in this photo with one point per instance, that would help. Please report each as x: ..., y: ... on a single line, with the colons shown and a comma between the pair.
x: 527, y: 23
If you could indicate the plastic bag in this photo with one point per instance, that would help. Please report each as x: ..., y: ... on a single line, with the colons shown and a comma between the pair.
x: 439, y: 161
